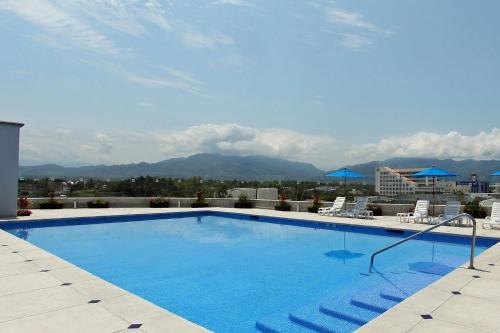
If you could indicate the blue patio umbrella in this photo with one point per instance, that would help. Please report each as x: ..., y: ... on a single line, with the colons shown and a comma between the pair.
x: 434, y: 172
x: 345, y: 173
x: 496, y: 173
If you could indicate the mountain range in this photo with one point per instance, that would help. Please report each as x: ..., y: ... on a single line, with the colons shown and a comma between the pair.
x: 216, y: 166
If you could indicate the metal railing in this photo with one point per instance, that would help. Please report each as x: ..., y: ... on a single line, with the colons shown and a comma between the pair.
x: 459, y: 216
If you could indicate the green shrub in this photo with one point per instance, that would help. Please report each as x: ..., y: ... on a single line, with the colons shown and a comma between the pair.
x: 313, y: 209
x: 243, y: 202
x: 200, y: 201
x: 51, y: 204
x: 377, y: 210
x: 316, y: 204
x: 283, y: 205
x: 199, y: 204
x: 99, y: 203
x: 475, y: 210
x: 159, y: 202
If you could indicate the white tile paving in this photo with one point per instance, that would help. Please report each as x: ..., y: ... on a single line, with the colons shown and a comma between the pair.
x: 35, y: 301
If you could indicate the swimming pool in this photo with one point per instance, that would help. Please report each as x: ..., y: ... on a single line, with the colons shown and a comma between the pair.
x: 243, y: 273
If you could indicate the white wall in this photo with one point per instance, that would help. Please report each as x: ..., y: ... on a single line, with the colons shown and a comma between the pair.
x: 9, y: 167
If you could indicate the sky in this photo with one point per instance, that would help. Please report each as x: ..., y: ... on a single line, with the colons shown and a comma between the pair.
x: 325, y: 82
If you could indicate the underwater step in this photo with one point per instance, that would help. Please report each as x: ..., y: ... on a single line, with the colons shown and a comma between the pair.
x: 280, y: 324
x: 348, y: 312
x: 373, y: 302
x: 317, y: 321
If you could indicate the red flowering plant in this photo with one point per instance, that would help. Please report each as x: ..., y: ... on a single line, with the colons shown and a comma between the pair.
x: 283, y: 204
x: 316, y: 203
x: 200, y: 200
x: 24, y: 204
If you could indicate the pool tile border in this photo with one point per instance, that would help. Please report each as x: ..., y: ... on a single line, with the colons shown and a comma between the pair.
x: 91, y: 304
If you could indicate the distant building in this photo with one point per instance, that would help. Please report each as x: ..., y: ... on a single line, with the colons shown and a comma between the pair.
x: 250, y: 193
x: 476, y: 186
x: 270, y: 193
x: 393, y: 182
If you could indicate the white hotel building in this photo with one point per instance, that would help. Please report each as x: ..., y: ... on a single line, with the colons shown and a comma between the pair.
x: 394, y: 182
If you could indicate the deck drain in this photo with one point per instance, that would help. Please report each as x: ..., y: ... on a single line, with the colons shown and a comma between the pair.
x: 94, y: 301
x: 456, y: 292
x: 28, y: 260
x: 15, y: 251
x: 45, y: 270
x: 133, y: 326
x: 66, y: 284
x: 476, y: 276
x: 426, y: 316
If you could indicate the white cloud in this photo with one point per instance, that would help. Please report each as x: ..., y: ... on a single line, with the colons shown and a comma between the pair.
x: 146, y: 104
x: 352, y: 19
x: 104, y: 145
x: 198, y: 40
x: 324, y: 151
x: 351, y: 41
x: 239, y: 3
x: 52, y: 19
x: 232, y: 60
x: 454, y: 145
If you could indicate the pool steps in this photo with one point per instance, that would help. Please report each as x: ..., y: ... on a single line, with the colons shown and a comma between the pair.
x: 357, y: 310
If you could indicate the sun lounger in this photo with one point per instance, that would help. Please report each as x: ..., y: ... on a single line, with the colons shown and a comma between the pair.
x: 421, y: 212
x: 335, y: 209
x: 359, y: 210
x: 451, y: 210
x: 494, y: 219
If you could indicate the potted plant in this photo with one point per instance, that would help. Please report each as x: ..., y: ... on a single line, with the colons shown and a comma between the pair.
x: 283, y: 205
x: 158, y: 202
x: 376, y: 209
x: 51, y: 203
x: 24, y: 205
x: 243, y: 202
x: 200, y: 201
x: 316, y: 203
x: 98, y: 203
x: 475, y: 210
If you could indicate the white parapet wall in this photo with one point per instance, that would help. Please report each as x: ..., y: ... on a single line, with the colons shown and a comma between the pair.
x: 9, y: 167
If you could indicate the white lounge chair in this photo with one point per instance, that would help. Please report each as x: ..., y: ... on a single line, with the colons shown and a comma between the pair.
x: 359, y: 210
x: 335, y: 209
x: 451, y: 209
x: 421, y: 212
x: 494, y: 219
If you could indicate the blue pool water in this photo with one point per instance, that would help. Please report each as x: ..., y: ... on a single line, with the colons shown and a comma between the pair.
x: 237, y: 273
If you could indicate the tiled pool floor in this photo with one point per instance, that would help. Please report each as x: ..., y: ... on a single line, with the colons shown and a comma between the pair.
x: 40, y: 292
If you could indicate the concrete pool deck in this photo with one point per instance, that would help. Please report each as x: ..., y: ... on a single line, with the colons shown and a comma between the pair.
x: 40, y: 292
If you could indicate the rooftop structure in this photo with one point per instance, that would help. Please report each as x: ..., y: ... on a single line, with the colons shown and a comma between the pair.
x: 9, y: 167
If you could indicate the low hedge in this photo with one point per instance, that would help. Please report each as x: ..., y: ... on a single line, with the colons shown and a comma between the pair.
x: 98, y: 204
x: 199, y: 204
x: 377, y: 210
x: 246, y: 204
x: 313, y: 209
x: 158, y: 203
x: 283, y: 207
x: 51, y: 205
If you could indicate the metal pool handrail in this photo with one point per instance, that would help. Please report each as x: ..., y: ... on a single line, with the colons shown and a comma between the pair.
x: 463, y: 215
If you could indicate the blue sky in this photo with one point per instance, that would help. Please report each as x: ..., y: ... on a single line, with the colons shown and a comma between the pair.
x: 326, y: 82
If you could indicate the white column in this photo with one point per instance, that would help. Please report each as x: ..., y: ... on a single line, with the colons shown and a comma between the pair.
x: 9, y: 167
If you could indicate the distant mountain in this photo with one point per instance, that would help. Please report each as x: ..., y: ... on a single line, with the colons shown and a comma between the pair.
x: 210, y: 166
x: 215, y: 166
x: 464, y: 168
